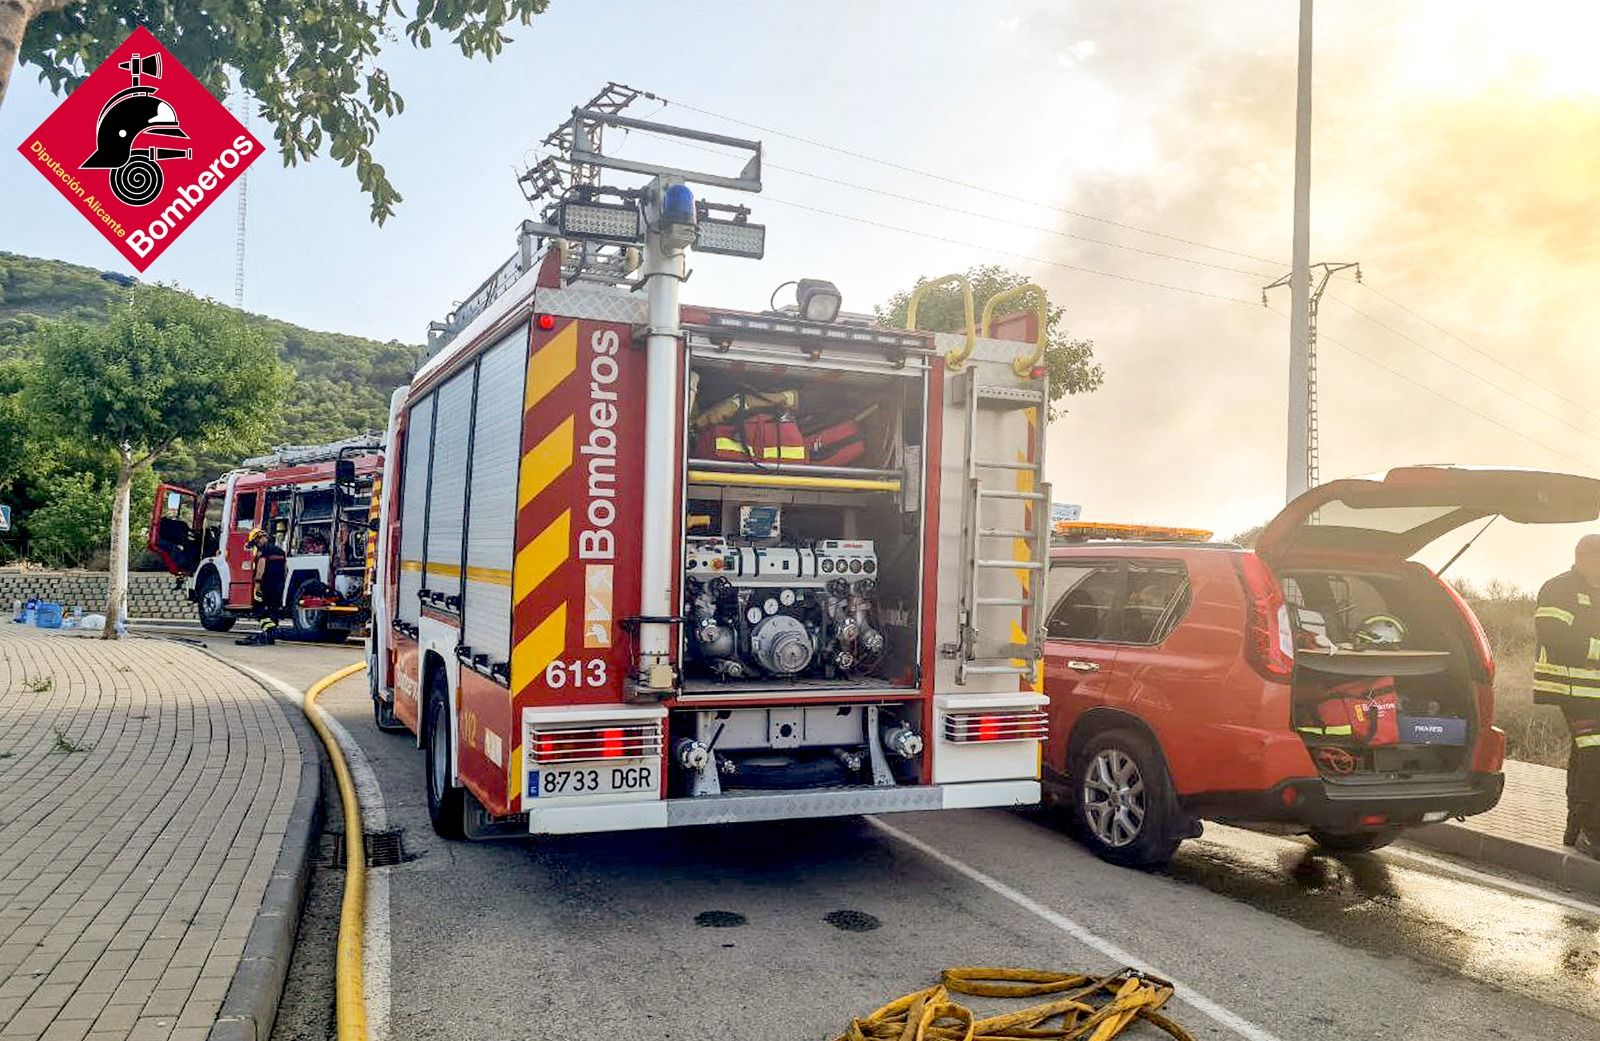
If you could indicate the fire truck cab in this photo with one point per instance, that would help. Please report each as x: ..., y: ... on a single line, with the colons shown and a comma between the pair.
x: 316, y: 501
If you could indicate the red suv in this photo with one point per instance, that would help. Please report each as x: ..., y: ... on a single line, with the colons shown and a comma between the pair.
x: 1322, y: 681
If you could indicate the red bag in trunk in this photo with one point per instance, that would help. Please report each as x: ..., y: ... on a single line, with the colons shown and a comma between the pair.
x: 1367, y: 711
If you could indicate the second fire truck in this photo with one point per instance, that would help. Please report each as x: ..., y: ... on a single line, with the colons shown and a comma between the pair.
x: 317, y: 503
x: 645, y: 564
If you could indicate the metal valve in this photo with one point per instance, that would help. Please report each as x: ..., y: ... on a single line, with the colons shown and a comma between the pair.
x: 903, y: 741
x: 691, y: 754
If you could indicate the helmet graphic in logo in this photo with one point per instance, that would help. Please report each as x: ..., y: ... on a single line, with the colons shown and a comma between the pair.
x: 1380, y: 632
x: 132, y: 113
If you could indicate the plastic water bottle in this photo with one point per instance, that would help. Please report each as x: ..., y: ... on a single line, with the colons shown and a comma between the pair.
x: 16, y: 609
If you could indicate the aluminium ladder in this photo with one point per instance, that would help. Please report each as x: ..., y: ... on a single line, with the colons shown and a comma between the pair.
x: 980, y: 651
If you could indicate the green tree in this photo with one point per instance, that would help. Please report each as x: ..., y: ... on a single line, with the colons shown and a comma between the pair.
x: 1070, y: 362
x: 167, y: 369
x: 69, y: 528
x: 311, y: 64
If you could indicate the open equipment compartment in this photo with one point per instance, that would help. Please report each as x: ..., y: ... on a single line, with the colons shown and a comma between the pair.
x: 803, y: 521
x: 1420, y: 682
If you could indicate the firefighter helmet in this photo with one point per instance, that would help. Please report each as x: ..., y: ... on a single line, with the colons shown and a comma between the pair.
x: 1381, y: 631
x: 256, y: 535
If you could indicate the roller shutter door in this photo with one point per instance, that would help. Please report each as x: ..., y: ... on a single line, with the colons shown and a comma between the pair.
x: 447, y: 501
x: 492, y: 502
x: 413, y: 508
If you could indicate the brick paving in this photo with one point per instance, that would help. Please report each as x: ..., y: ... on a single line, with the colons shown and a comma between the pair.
x: 1533, y: 809
x: 145, y: 789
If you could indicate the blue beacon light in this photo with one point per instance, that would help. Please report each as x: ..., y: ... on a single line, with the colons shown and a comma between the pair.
x: 677, y: 204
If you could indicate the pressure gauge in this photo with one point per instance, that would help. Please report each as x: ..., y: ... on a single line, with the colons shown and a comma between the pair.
x: 771, y: 606
x: 786, y: 597
x: 753, y: 615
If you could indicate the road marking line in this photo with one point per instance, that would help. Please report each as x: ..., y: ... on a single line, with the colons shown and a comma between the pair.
x: 376, y: 960
x: 1185, y: 993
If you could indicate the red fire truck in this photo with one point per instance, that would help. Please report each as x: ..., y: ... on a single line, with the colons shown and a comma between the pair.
x: 316, y: 500
x: 648, y: 565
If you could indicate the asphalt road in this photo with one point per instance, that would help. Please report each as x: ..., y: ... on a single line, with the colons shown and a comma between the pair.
x: 787, y: 930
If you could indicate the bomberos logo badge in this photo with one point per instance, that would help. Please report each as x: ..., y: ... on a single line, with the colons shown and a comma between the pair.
x: 141, y: 148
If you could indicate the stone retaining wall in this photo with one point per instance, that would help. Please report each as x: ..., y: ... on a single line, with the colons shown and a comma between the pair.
x: 150, y: 594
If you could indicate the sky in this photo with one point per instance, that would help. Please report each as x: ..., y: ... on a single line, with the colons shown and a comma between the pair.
x: 1135, y: 158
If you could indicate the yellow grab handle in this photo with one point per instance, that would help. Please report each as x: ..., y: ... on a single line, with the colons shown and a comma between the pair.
x: 956, y: 358
x: 1022, y: 366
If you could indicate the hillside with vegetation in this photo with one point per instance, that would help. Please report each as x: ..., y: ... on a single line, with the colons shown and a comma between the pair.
x: 341, y: 386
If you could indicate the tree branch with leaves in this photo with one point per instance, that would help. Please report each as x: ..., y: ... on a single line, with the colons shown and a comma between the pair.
x: 1070, y: 362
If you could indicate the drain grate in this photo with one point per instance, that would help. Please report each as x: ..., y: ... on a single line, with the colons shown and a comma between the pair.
x: 719, y: 919
x: 383, y: 848
x: 852, y: 921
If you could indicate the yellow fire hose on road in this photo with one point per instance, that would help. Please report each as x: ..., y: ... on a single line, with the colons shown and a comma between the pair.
x: 350, y: 1002
x: 1088, y: 1008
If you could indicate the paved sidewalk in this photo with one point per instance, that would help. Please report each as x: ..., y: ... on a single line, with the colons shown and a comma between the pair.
x: 1523, y: 832
x: 148, y: 788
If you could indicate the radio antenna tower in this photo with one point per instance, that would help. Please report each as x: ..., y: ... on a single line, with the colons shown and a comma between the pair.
x: 1313, y: 449
x: 241, y: 108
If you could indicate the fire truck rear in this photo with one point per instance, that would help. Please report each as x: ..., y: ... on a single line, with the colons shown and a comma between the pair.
x: 646, y: 564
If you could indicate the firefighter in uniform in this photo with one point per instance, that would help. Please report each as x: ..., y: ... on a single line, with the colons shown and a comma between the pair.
x: 271, y: 567
x: 1566, y: 673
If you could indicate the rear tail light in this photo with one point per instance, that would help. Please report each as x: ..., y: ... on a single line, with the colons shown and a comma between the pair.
x: 1482, y: 653
x: 999, y: 725
x: 1373, y: 820
x: 1269, y: 641
x: 580, y: 744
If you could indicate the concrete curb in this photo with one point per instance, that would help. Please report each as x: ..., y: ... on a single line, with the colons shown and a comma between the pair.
x: 250, y: 1006
x: 1564, y: 867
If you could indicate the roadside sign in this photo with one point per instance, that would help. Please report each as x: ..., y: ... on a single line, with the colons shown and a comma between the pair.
x: 5, y: 517
x: 1065, y: 511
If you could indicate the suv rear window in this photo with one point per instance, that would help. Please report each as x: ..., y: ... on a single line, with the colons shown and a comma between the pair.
x: 1100, y: 601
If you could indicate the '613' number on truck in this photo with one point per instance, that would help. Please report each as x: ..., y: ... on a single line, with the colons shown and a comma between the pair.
x: 585, y: 672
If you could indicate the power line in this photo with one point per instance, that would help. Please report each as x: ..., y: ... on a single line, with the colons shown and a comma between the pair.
x: 957, y: 182
x: 1580, y: 406
x: 972, y: 245
x: 1008, y: 253
x: 1486, y: 381
x: 1445, y: 397
x: 1092, y: 271
x: 963, y: 212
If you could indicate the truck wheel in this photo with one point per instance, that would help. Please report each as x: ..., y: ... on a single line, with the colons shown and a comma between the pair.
x: 446, y: 803
x: 382, y: 711
x: 1354, y: 841
x: 308, y: 624
x: 211, y: 605
x: 1122, y: 800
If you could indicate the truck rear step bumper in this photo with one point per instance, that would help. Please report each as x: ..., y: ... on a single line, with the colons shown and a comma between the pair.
x: 576, y: 816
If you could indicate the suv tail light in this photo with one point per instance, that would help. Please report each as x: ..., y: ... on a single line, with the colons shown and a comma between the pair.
x: 1480, y: 639
x: 1268, y: 641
